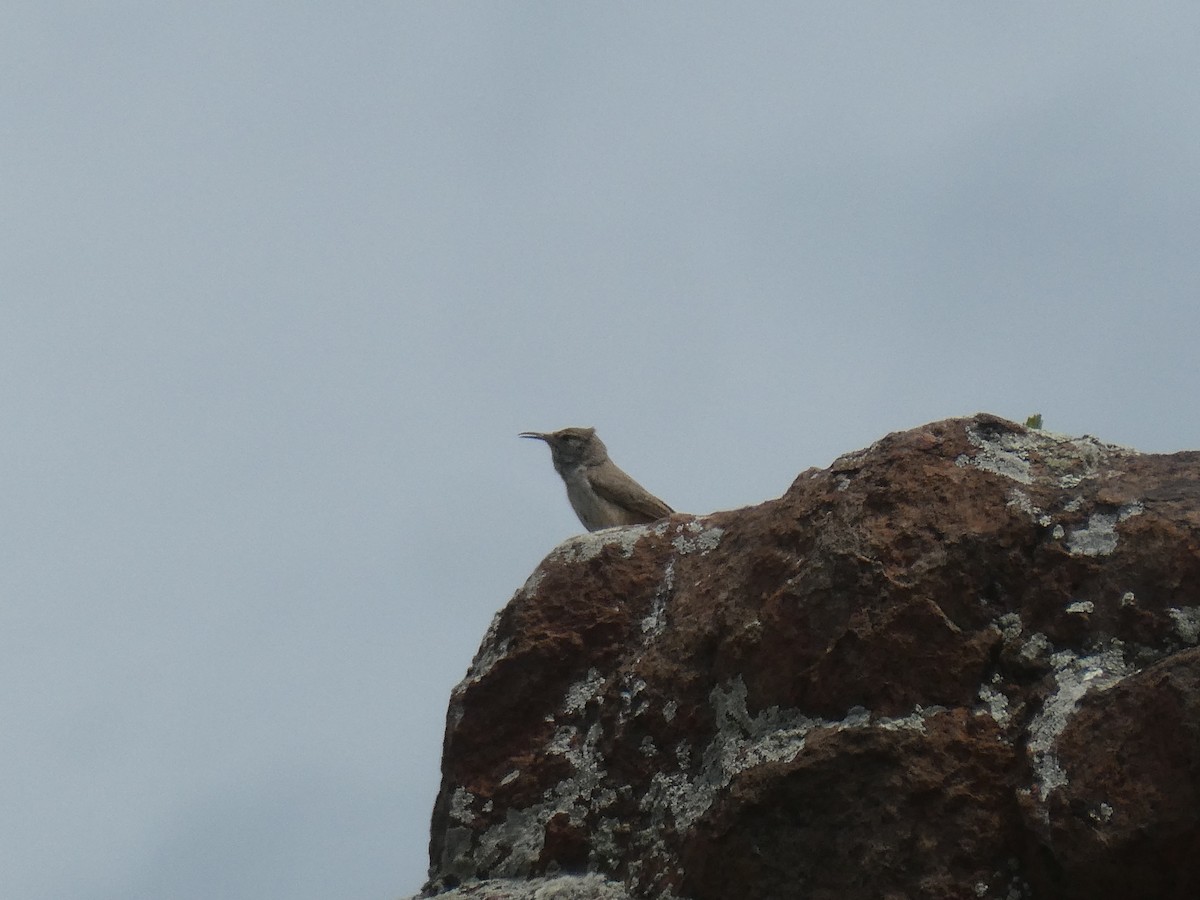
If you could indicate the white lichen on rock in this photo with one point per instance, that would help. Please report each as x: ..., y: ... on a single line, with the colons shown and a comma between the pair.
x: 587, y: 546
x: 1010, y: 626
x: 512, y: 848
x: 580, y: 693
x: 1101, y: 813
x: 461, y: 802
x: 1067, y: 461
x: 1074, y: 677
x: 744, y: 742
x: 693, y: 537
x: 1005, y: 454
x: 559, y: 887
x: 996, y: 703
x: 1018, y: 499
x: 1035, y: 650
x: 1099, y: 536
x: 1187, y: 623
x: 655, y: 621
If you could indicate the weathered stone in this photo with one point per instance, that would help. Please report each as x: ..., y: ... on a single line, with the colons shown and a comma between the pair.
x: 959, y: 663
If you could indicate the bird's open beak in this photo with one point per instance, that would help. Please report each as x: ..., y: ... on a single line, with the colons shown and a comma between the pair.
x: 533, y: 434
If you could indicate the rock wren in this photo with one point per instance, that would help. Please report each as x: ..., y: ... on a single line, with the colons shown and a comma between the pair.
x: 600, y: 493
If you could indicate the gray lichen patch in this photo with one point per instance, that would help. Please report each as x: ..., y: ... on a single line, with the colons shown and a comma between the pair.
x: 631, y: 699
x: 1018, y: 499
x: 744, y: 742
x: 1006, y: 454
x: 461, y: 802
x: 655, y: 621
x: 1063, y: 461
x: 561, y: 887
x: 512, y: 848
x: 1187, y: 623
x: 1035, y: 650
x: 1071, y: 460
x: 1010, y: 626
x: 1074, y: 677
x: 581, y: 693
x: 1099, y: 536
x: 458, y: 846
x: 1101, y: 814
x: 996, y: 704
x: 583, y: 547
x: 693, y: 537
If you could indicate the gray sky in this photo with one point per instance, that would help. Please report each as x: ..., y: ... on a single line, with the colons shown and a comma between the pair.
x: 282, y: 282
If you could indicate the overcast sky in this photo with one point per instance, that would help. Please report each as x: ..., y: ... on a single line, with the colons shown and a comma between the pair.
x: 281, y: 283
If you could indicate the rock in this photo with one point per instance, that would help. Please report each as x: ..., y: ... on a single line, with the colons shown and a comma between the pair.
x: 959, y: 663
x: 563, y: 887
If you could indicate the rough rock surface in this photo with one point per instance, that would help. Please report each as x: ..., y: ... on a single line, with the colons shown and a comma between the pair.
x: 961, y: 663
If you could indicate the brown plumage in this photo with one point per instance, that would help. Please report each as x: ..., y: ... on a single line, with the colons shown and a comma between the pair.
x: 600, y: 493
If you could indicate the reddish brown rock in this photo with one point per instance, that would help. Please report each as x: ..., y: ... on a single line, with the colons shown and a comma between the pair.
x: 956, y: 664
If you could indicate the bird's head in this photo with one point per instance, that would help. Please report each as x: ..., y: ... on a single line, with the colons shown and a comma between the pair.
x: 572, y: 447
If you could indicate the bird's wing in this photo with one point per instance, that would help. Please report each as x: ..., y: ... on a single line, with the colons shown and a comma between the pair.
x: 615, y: 486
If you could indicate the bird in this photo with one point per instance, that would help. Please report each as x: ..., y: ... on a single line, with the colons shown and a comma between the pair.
x: 600, y: 493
